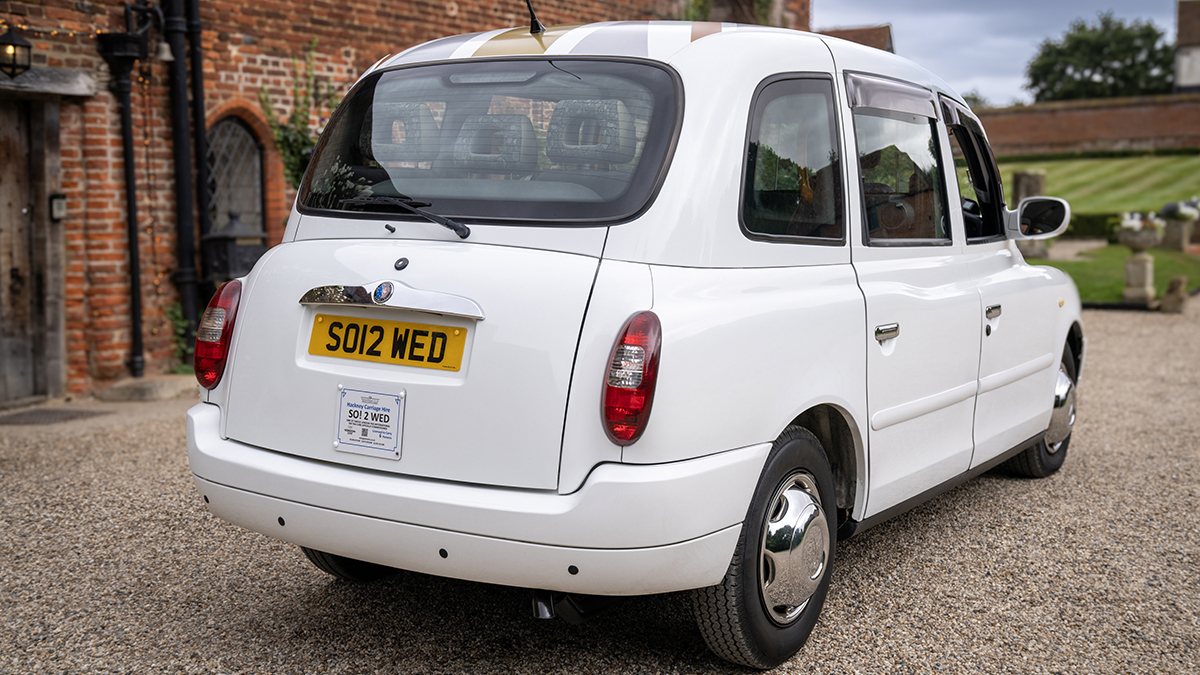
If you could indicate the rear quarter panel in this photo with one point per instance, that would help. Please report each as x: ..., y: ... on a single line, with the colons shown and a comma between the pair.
x: 745, y: 351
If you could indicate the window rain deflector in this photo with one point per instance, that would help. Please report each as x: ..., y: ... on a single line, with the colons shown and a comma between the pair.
x: 868, y: 91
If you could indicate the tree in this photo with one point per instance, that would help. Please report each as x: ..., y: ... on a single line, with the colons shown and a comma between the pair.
x: 740, y: 11
x: 1101, y: 60
x: 976, y: 100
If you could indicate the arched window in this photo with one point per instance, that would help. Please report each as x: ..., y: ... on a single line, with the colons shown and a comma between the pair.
x: 235, y: 170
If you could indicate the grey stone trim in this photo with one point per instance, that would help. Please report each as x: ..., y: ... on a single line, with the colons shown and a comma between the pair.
x: 50, y: 81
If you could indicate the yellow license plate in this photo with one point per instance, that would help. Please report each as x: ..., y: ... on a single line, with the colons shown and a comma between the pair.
x: 408, y: 344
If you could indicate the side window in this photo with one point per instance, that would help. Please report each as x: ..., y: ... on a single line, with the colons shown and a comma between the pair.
x: 978, y: 178
x: 900, y: 164
x: 792, y: 185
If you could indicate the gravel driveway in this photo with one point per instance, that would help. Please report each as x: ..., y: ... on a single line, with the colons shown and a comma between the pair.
x: 109, y: 563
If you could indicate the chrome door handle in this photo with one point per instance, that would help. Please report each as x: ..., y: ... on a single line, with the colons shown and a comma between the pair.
x: 992, y: 312
x: 887, y: 331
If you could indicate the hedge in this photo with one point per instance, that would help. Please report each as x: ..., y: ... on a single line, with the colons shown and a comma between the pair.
x: 1094, y: 226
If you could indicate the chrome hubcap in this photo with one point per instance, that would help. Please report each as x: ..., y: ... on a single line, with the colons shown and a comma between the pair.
x: 794, y: 548
x: 1062, y: 418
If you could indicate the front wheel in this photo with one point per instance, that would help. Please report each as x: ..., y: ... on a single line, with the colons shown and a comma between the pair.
x: 764, y: 609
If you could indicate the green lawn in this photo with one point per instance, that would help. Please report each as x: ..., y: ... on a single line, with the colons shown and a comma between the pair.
x: 1112, y: 185
x: 1101, y: 277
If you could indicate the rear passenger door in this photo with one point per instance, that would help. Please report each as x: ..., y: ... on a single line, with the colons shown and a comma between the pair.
x: 923, y: 328
x: 1018, y: 359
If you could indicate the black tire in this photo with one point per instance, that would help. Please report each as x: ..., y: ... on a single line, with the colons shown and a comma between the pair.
x: 733, y: 616
x: 349, y: 569
x: 1044, y: 459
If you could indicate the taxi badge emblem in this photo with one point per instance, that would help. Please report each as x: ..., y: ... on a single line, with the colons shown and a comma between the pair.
x: 383, y: 292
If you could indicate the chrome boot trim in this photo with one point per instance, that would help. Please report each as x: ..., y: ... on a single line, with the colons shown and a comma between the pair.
x: 402, y: 296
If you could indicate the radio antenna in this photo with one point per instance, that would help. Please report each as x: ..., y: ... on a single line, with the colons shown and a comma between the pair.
x: 535, y: 26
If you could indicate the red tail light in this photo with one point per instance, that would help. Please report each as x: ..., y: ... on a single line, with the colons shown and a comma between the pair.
x: 214, y: 333
x: 632, y: 373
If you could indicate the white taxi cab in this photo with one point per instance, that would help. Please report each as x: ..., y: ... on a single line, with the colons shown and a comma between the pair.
x: 630, y: 308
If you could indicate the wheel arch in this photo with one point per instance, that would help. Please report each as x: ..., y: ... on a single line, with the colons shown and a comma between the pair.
x: 842, y: 441
x: 1075, y: 342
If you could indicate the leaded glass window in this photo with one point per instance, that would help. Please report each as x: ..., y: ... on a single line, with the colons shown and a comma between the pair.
x: 234, y: 175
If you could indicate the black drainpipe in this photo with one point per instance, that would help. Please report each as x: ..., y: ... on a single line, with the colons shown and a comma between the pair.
x: 120, y: 51
x: 174, y: 30
x: 199, y: 122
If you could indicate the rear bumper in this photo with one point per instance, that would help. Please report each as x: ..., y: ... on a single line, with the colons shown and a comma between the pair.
x: 630, y: 529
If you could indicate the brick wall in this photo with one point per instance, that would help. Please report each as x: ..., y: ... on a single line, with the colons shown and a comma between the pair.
x: 247, y: 46
x: 1187, y: 23
x: 1140, y: 123
x: 1187, y: 47
x: 97, y: 271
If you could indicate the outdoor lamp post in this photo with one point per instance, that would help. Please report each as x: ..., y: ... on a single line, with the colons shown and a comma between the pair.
x: 15, y: 53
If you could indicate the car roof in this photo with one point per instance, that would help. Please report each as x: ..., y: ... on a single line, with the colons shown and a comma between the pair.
x: 656, y: 40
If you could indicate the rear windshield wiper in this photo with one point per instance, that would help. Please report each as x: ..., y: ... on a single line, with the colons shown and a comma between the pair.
x: 412, y: 206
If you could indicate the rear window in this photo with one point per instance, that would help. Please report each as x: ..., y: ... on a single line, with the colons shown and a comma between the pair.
x: 545, y: 140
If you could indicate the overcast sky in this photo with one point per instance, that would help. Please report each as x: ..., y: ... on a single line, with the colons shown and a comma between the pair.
x: 982, y: 45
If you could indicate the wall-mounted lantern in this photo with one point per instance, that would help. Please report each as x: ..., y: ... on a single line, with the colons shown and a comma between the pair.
x: 16, y: 54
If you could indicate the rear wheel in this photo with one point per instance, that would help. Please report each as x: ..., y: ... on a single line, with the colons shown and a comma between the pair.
x: 1048, y: 455
x: 346, y: 568
x: 764, y: 609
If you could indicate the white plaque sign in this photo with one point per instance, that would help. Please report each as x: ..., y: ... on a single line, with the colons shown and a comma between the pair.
x: 369, y: 423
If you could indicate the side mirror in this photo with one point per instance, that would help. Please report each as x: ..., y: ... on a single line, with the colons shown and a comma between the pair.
x: 1038, y: 218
